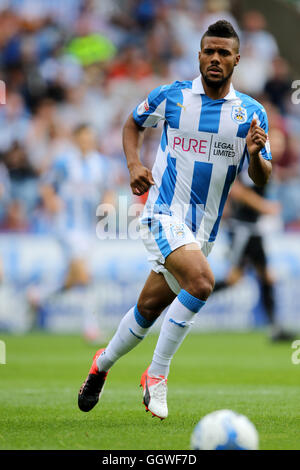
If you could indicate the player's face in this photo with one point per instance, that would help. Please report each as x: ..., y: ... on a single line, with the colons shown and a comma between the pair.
x: 86, y: 140
x: 217, y: 59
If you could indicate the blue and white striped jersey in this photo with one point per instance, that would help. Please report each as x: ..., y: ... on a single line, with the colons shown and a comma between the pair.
x: 81, y: 183
x: 202, y: 148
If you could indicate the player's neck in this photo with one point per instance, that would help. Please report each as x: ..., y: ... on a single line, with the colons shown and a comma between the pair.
x: 216, y: 93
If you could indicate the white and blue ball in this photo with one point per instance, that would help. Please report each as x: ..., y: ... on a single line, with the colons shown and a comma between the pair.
x: 224, y: 430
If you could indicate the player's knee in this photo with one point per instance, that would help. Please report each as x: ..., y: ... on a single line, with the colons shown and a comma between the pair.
x: 200, y: 286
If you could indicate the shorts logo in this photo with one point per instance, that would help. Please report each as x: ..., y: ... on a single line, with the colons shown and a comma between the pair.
x: 239, y: 114
x: 177, y: 230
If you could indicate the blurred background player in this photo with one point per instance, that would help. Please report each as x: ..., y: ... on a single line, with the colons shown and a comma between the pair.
x: 248, y: 205
x: 77, y: 182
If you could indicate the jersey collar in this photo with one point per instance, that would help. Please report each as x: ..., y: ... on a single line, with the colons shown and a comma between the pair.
x: 198, y: 89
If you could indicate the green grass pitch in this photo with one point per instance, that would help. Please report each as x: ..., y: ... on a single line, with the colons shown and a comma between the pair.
x: 239, y: 371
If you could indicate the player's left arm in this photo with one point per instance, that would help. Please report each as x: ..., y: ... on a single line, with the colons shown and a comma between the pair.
x: 259, y: 169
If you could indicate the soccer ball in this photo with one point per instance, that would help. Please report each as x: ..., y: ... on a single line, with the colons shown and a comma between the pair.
x: 224, y: 430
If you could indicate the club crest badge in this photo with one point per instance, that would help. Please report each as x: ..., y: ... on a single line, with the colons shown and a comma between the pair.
x: 177, y: 230
x: 239, y: 114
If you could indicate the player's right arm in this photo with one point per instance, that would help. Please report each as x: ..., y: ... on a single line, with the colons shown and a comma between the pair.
x: 146, y: 114
x: 50, y: 183
x: 140, y: 177
x: 50, y: 200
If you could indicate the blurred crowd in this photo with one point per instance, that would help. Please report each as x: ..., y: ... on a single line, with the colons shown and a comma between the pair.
x: 75, y: 69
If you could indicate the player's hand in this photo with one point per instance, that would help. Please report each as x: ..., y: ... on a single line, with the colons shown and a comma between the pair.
x: 271, y: 208
x: 256, y: 138
x: 140, y: 179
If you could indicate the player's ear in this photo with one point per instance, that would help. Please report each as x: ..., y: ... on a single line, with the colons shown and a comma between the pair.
x: 199, y: 55
x: 237, y: 59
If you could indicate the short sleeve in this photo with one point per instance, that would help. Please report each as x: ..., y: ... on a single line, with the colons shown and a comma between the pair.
x: 262, y: 117
x: 56, y: 174
x: 152, y: 109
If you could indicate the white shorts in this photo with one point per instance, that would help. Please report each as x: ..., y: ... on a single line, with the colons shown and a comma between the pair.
x: 162, y: 234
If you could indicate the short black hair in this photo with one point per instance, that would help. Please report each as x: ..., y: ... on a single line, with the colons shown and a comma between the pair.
x: 222, y: 29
